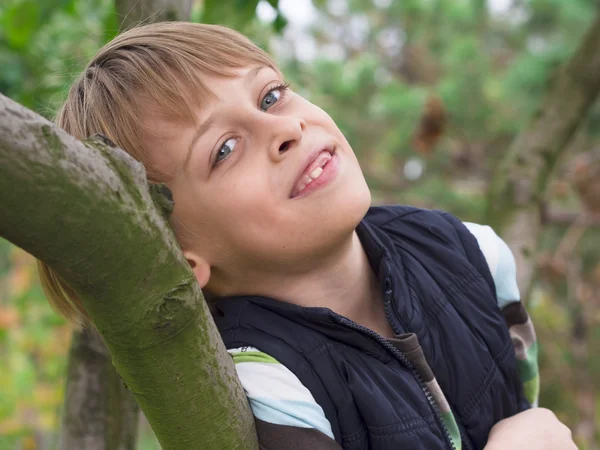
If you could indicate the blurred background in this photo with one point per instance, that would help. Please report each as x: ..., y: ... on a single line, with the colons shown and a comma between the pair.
x: 430, y: 93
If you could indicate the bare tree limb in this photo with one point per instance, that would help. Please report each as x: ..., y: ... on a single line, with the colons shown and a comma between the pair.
x: 85, y: 210
x: 519, y: 184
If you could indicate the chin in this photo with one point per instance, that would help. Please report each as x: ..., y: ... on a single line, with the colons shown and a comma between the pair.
x: 351, y: 205
x: 360, y: 202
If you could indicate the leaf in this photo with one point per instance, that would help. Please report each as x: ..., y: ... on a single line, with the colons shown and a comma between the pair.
x: 245, y: 9
x: 20, y: 22
x: 280, y: 22
x: 110, y: 24
x: 235, y: 13
x: 9, y: 317
x: 48, y: 7
x: 431, y: 127
x: 213, y: 9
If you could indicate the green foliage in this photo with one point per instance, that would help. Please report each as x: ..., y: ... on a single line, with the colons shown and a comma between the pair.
x: 239, y: 12
x: 43, y: 44
x: 33, y: 345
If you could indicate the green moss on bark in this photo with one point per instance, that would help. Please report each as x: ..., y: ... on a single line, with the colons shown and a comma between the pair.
x: 89, y: 215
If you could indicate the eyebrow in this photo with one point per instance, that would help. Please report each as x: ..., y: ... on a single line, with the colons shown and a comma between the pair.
x: 254, y: 72
x: 208, y: 123
x: 202, y: 129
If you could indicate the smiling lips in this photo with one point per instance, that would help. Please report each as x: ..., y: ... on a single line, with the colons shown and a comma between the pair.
x: 312, y: 172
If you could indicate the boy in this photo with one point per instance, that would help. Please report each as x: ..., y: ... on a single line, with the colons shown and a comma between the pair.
x: 350, y: 326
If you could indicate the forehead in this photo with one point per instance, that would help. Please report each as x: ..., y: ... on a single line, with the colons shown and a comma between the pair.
x: 219, y: 85
x: 185, y: 106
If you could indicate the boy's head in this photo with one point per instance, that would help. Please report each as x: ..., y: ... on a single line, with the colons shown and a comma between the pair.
x: 265, y: 184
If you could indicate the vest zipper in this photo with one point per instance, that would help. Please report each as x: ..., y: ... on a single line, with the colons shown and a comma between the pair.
x: 398, y: 354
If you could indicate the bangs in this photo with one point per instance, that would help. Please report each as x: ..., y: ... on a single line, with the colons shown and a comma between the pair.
x: 153, y: 72
x: 166, y: 63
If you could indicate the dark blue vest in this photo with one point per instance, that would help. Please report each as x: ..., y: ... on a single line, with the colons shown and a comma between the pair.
x: 436, y: 284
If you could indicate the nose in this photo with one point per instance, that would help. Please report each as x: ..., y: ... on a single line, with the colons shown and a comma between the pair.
x: 286, y: 134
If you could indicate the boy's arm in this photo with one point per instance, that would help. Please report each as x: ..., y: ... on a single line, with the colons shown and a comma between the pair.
x: 286, y: 414
x: 276, y: 437
x: 537, y: 428
x: 503, y: 269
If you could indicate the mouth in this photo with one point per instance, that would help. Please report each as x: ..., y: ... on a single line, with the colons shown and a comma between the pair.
x: 314, y: 171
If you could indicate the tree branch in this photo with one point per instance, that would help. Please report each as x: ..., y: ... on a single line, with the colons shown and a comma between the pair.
x: 84, y: 208
x: 519, y: 184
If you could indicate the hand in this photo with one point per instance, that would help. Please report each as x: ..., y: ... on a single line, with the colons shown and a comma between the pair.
x: 534, y: 429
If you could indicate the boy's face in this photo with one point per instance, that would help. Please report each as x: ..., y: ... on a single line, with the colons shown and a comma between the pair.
x: 265, y: 181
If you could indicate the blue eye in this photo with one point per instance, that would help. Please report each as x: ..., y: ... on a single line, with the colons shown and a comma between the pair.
x: 271, y: 98
x: 227, y: 147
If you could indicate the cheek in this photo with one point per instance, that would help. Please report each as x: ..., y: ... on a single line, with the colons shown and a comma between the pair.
x: 258, y: 224
x: 243, y: 206
x: 320, y: 117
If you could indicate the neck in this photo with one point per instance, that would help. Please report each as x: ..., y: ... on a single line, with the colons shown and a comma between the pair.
x: 343, y: 282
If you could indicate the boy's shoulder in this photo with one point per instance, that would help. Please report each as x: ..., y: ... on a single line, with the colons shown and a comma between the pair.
x: 431, y: 231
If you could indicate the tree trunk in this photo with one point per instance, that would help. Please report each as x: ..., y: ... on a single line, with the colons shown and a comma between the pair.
x: 516, y: 192
x: 134, y: 12
x: 85, y: 209
x: 99, y: 412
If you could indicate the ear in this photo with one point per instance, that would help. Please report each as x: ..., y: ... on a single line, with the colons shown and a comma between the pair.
x: 200, y: 267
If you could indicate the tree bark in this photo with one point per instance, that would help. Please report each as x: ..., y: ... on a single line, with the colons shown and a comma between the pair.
x: 85, y: 209
x: 516, y: 192
x: 134, y: 12
x: 99, y: 412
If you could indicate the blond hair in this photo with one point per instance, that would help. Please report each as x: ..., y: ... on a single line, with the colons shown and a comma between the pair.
x: 157, y: 68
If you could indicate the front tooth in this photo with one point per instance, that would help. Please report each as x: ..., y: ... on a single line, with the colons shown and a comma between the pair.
x: 315, y: 173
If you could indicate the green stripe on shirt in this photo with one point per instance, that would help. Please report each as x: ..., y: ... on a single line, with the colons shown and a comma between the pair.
x: 452, y: 426
x: 528, y: 368
x: 529, y: 374
x: 260, y: 357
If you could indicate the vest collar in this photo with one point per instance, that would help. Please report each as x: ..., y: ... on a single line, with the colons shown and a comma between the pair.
x: 387, y: 262
x: 383, y: 259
